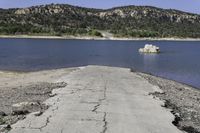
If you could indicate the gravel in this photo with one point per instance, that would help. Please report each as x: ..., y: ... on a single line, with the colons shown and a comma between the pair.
x: 17, y: 102
x: 182, y: 99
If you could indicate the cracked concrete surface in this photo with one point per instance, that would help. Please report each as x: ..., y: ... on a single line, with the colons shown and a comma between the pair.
x: 101, y: 100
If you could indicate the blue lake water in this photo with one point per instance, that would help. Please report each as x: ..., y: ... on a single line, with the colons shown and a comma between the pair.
x: 179, y: 60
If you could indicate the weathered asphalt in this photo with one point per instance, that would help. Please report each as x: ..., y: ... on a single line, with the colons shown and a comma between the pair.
x: 101, y: 99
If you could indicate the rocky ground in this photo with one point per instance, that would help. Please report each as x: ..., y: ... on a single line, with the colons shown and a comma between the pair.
x: 182, y: 99
x: 24, y: 93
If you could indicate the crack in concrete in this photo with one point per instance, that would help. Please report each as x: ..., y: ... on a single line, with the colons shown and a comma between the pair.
x: 105, y: 113
x: 100, y: 100
x: 105, y: 123
x: 99, y: 104
x: 40, y: 128
x: 96, y: 107
x: 46, y: 123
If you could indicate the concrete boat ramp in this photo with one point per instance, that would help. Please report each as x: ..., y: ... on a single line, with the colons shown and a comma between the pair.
x: 101, y: 99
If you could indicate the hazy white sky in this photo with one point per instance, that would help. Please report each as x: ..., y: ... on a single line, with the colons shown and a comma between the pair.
x: 184, y: 5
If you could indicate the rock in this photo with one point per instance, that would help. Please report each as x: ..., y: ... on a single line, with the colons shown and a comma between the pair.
x: 52, y: 95
x: 2, y: 121
x: 20, y: 112
x: 24, y: 104
x: 61, y: 84
x: 5, y: 128
x: 149, y: 48
x: 8, y: 126
x: 2, y: 127
x: 22, y: 11
x: 2, y: 113
x: 24, y: 108
x: 39, y: 113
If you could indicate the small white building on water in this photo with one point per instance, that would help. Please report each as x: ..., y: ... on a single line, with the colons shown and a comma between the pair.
x: 149, y: 48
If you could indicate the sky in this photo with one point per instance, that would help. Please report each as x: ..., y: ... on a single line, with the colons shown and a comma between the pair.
x: 192, y: 6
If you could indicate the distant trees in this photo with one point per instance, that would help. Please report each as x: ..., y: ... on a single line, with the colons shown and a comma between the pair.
x: 136, y: 33
x: 95, y: 33
x: 83, y: 21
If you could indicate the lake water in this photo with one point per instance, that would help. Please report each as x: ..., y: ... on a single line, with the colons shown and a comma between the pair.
x: 179, y: 60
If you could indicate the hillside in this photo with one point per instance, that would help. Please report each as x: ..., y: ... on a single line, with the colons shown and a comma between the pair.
x: 129, y: 21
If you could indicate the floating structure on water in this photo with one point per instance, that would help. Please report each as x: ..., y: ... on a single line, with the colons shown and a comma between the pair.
x: 149, y: 48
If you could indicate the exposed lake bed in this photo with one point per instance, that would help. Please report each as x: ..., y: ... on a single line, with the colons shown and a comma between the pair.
x: 24, y: 93
x: 185, y: 100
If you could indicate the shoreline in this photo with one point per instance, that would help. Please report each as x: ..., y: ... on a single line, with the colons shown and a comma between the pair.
x: 131, y: 69
x: 165, y: 78
x: 182, y: 99
x: 95, y: 38
x: 177, y: 96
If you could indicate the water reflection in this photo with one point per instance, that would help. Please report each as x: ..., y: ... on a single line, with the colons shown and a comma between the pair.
x: 150, y: 61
